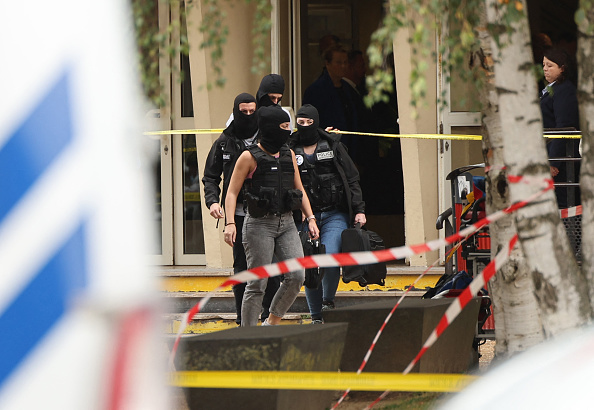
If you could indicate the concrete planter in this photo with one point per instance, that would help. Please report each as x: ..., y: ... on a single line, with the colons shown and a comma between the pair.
x: 282, y: 348
x: 410, y: 326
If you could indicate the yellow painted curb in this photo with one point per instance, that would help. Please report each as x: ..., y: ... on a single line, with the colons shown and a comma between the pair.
x: 211, y: 283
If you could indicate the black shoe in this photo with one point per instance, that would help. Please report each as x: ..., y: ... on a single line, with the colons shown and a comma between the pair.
x: 327, y: 305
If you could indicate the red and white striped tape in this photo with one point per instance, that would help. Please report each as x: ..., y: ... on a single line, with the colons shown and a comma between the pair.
x: 570, y: 212
x: 380, y: 331
x: 458, y: 305
x: 359, y: 258
x: 462, y: 300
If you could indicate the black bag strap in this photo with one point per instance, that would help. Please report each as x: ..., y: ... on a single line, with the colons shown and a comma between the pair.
x: 304, y: 226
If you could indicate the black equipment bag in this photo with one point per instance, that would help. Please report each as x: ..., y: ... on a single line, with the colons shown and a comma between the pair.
x: 313, y: 276
x: 359, y: 239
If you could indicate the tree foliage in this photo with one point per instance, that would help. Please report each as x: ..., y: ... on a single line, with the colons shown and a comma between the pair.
x: 154, y: 42
x: 423, y: 19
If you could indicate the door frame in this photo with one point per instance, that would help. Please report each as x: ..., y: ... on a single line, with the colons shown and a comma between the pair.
x: 171, y: 154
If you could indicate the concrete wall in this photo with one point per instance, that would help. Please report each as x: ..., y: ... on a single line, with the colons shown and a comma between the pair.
x: 419, y: 157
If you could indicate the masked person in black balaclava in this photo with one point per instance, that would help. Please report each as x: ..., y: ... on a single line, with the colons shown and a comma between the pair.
x: 274, y: 129
x: 244, y: 120
x: 221, y: 159
x: 270, y: 92
x: 331, y: 181
x: 272, y: 88
x: 272, y: 191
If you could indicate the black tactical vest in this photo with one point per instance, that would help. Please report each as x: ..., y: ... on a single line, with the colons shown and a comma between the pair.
x: 321, y: 179
x: 270, y: 191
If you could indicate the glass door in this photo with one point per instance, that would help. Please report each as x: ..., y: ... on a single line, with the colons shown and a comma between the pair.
x: 188, y: 238
x: 178, y: 212
x: 459, y: 115
x: 162, y: 217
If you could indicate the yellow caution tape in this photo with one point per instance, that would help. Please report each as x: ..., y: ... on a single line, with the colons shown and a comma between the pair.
x: 460, y: 137
x: 199, y: 131
x: 416, y: 136
x: 427, y: 382
x: 192, y: 196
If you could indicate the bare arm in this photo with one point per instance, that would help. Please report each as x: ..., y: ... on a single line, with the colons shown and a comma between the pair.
x: 244, y: 165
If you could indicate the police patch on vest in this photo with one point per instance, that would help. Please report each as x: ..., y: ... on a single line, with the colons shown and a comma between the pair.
x: 226, y: 157
x: 299, y: 159
x: 324, y: 155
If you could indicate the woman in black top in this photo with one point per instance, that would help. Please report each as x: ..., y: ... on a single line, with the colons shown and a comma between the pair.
x: 559, y: 106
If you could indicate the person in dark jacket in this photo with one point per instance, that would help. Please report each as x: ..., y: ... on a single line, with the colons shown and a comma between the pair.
x: 240, y: 134
x: 331, y: 182
x: 559, y: 107
x: 336, y: 101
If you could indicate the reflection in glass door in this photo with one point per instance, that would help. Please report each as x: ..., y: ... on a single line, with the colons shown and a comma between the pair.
x: 193, y: 234
x: 155, y: 148
x: 159, y: 148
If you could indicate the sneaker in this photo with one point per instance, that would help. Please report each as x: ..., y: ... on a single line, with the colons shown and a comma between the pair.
x: 265, y: 323
x: 327, y: 305
x: 317, y: 322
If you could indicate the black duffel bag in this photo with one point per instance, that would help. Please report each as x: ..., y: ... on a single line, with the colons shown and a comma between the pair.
x: 359, y: 239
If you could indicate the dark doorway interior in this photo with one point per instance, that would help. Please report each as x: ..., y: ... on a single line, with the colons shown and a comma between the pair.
x: 555, y: 19
x: 379, y: 160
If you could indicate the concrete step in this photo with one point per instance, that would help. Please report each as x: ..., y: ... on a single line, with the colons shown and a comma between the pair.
x: 224, y: 302
x: 213, y: 322
x: 202, y: 279
x: 183, y: 287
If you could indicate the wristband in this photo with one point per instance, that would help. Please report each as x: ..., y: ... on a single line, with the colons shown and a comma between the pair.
x: 230, y: 223
x: 309, y: 218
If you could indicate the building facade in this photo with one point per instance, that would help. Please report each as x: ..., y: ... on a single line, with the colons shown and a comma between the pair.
x: 189, y: 235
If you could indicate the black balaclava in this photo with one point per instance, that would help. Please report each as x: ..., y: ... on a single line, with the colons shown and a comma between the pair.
x: 308, y: 134
x: 271, y: 83
x: 272, y: 136
x: 244, y: 126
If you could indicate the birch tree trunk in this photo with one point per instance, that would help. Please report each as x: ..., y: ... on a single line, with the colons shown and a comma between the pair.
x: 517, y: 320
x: 585, y: 58
x: 559, y: 287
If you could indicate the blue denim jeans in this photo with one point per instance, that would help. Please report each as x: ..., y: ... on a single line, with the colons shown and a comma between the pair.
x: 264, y: 238
x: 331, y: 224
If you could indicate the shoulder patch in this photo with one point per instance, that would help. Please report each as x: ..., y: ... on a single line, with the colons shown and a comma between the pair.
x: 299, y: 159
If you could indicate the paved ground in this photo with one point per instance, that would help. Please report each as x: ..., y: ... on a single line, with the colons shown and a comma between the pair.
x: 487, y: 352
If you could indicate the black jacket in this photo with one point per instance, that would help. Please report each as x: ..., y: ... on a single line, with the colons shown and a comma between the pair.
x: 560, y: 110
x: 221, y: 160
x: 346, y: 168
